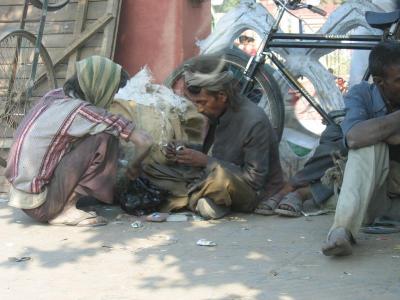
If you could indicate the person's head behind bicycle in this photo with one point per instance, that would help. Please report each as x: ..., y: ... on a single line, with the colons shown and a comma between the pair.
x: 384, y: 65
x: 211, y: 86
x: 97, y: 79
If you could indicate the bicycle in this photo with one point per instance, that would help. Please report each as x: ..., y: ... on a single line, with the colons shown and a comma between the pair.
x: 22, y: 57
x: 257, y: 78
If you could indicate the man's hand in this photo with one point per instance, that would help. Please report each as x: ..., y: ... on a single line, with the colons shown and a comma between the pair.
x: 190, y: 157
x: 143, y: 142
x: 133, y: 172
x: 141, y: 139
x: 393, y: 139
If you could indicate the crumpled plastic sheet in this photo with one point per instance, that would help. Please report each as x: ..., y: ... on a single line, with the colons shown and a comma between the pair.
x: 141, y: 89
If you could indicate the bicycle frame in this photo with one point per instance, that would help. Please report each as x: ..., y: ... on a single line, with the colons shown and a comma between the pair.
x: 308, y: 41
x: 38, y: 44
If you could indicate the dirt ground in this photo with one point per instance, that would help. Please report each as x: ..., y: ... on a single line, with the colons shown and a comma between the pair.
x: 256, y: 257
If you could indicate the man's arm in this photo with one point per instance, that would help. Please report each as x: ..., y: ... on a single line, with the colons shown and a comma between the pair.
x: 143, y: 142
x: 372, y: 131
x: 256, y: 152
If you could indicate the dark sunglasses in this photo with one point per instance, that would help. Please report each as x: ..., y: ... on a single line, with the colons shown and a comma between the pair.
x: 194, y: 89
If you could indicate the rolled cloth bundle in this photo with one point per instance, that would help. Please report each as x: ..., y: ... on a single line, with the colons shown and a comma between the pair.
x: 214, y: 80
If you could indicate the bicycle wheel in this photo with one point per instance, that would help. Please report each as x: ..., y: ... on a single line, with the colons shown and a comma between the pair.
x: 16, y: 57
x: 52, y: 6
x: 265, y: 91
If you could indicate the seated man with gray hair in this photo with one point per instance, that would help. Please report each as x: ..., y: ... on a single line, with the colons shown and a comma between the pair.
x: 238, y: 162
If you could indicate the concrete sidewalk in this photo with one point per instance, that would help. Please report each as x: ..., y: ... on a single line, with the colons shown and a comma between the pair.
x: 256, y: 257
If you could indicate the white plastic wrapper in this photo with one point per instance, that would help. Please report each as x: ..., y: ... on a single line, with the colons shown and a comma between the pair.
x: 141, y: 89
x: 204, y: 242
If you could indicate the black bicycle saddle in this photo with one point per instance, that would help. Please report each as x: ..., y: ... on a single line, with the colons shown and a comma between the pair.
x: 382, y: 20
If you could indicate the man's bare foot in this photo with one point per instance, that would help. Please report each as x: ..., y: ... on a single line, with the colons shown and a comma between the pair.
x: 268, y: 205
x: 77, y: 217
x: 339, y: 243
x: 72, y: 216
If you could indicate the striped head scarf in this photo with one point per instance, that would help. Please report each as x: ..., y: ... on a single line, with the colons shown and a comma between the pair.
x: 99, y: 79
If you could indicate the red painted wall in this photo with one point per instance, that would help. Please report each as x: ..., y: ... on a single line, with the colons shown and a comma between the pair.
x: 160, y: 34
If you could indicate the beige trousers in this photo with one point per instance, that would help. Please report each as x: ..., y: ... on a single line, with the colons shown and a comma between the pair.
x: 368, y: 179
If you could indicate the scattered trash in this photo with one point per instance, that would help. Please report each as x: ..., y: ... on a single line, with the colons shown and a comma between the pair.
x: 117, y: 222
x: 269, y: 240
x: 316, y: 213
x: 138, y: 197
x: 137, y: 224
x: 274, y: 273
x: 157, y: 217
x: 177, y: 218
x: 163, y: 237
x: 106, y: 246
x: 395, y: 256
x: 302, y: 237
x: 19, y: 259
x: 347, y: 273
x: 197, y: 218
x: 123, y: 216
x: 204, y: 242
x: 64, y: 239
x: 382, y: 238
x: 245, y: 228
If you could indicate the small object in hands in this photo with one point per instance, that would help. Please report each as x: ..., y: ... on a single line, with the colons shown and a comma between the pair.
x: 179, y: 147
x: 204, y: 242
x: 157, y: 217
x: 19, y: 259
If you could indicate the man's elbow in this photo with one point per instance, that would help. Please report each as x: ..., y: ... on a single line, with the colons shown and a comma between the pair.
x: 352, y: 141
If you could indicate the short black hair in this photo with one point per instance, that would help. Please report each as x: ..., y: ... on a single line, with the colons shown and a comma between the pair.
x: 382, y: 56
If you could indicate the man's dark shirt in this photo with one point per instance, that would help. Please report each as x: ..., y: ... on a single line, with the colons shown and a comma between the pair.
x: 246, y: 144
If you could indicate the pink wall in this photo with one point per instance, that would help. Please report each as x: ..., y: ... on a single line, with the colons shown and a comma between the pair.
x: 160, y: 34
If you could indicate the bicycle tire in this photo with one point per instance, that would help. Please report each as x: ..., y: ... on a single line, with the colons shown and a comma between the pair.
x: 15, y: 72
x: 51, y: 6
x: 271, y: 101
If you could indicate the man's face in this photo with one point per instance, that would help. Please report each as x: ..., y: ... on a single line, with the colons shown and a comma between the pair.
x: 209, y: 105
x: 390, y: 84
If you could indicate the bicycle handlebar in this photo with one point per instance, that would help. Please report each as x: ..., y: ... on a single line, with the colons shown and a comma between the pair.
x: 316, y: 10
x: 296, y: 4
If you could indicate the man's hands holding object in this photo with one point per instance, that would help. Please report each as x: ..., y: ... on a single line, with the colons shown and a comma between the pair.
x: 180, y: 154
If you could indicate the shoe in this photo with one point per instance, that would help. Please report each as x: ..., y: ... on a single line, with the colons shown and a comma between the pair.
x: 209, y: 210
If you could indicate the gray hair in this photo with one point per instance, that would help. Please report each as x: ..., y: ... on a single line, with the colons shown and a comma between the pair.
x: 212, y: 73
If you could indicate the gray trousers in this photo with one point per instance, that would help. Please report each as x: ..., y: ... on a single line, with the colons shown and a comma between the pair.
x: 370, y: 183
